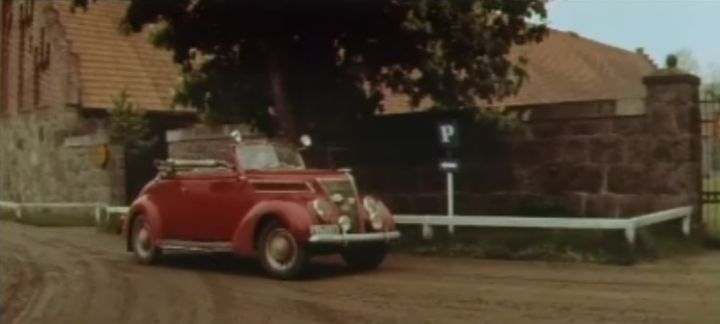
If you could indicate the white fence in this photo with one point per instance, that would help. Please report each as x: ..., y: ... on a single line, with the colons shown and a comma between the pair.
x: 629, y: 225
x: 99, y: 208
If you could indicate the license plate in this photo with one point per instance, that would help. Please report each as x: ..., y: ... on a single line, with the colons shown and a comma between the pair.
x: 324, y: 229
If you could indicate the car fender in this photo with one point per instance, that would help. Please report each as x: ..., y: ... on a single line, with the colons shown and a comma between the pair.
x: 294, y: 215
x: 389, y: 222
x: 143, y: 205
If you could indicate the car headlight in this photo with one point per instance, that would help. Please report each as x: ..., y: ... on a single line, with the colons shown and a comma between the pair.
x: 345, y: 223
x: 322, y: 209
x: 376, y: 211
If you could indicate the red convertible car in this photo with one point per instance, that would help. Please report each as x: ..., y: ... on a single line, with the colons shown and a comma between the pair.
x: 263, y: 202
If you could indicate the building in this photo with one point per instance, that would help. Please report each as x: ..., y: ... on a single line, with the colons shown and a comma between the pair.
x: 566, y: 67
x: 60, y: 73
x: 587, y: 105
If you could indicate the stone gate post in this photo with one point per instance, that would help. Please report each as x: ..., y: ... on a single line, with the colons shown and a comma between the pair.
x: 674, y: 165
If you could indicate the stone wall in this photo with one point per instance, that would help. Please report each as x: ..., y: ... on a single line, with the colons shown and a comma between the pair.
x: 95, y: 167
x: 204, y: 142
x: 37, y: 165
x: 36, y: 121
x: 611, y: 158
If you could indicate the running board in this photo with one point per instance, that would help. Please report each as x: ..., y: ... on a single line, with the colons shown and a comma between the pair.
x: 195, y: 246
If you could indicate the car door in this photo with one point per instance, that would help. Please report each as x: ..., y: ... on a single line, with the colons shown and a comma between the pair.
x: 233, y: 202
x: 210, y: 203
x: 168, y: 197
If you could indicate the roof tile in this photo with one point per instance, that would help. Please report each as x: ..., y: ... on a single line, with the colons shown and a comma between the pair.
x: 111, y: 61
x: 565, y: 67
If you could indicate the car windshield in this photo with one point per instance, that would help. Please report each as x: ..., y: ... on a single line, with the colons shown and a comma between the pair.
x: 270, y: 156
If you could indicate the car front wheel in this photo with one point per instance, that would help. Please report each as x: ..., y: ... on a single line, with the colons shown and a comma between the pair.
x: 142, y: 242
x: 281, y: 255
x: 365, y: 257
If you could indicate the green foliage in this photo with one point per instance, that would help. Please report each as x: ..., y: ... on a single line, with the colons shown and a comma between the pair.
x: 498, y: 119
x: 710, y: 89
x: 593, y: 246
x: 523, y: 244
x: 710, y: 75
x: 671, y: 61
x: 683, y: 59
x: 335, y: 56
x: 542, y: 208
x: 7, y: 213
x: 129, y: 125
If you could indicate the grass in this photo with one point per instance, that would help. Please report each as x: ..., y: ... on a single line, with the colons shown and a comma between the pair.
x: 711, y: 211
x: 711, y: 215
x: 711, y: 183
x: 7, y: 213
x: 594, y: 246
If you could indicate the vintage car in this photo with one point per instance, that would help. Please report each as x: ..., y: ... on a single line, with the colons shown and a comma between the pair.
x: 261, y: 202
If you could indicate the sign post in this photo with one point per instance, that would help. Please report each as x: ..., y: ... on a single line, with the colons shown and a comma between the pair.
x: 449, y: 139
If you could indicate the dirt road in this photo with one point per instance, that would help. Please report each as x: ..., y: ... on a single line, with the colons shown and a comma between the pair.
x: 74, y: 275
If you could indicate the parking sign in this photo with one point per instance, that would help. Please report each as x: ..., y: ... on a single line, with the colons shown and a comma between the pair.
x: 448, y: 134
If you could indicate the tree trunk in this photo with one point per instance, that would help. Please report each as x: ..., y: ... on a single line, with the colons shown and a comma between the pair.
x: 281, y: 106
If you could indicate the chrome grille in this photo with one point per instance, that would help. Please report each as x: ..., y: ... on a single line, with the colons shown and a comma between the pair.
x: 342, y: 193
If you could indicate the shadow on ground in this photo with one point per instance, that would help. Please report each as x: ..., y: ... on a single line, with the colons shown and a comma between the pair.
x: 322, y: 267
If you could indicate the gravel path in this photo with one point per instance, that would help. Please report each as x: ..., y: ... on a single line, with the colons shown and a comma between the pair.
x: 75, y: 275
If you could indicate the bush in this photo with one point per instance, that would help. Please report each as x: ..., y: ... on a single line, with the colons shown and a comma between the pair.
x: 595, y: 246
x: 7, y: 213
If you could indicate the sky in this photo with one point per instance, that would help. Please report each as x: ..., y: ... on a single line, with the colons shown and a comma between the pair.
x: 661, y: 27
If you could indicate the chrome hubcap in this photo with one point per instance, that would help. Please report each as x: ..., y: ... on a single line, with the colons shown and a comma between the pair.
x: 280, y: 249
x: 143, y: 243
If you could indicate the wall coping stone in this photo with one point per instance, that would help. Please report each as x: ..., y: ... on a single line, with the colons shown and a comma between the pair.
x: 606, y: 108
x: 670, y: 76
x: 203, y: 132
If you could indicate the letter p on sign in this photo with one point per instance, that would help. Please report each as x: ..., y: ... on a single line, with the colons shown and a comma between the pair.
x: 448, y: 134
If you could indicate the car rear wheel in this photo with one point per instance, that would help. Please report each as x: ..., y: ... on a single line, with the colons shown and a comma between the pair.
x: 142, y: 242
x: 365, y: 257
x: 281, y: 255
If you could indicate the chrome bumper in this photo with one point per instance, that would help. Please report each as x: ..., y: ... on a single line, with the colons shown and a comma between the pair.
x: 354, y: 238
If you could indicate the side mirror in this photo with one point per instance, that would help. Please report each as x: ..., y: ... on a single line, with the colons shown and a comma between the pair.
x: 236, y: 136
x: 305, y: 140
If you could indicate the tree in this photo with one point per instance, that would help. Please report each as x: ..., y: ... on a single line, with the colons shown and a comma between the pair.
x: 129, y: 126
x: 325, y: 61
x: 711, y: 82
x: 686, y: 61
x: 710, y: 87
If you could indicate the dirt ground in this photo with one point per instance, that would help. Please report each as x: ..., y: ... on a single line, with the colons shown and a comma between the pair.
x: 75, y: 275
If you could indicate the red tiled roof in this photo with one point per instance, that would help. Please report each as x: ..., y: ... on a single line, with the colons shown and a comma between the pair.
x: 110, y: 61
x: 565, y: 67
